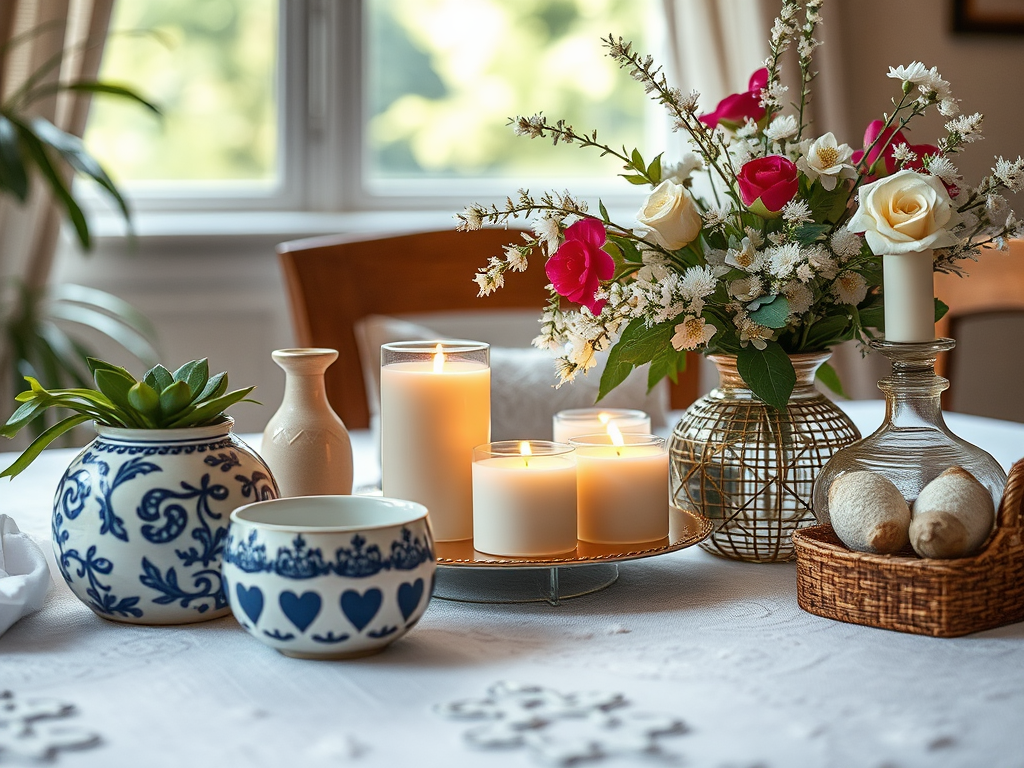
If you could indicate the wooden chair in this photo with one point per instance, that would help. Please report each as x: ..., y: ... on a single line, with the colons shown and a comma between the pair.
x: 333, y: 282
x: 995, y: 284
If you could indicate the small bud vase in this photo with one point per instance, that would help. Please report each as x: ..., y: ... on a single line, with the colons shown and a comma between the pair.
x: 305, y: 444
x: 750, y: 468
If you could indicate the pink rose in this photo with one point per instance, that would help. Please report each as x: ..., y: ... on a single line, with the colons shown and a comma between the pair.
x: 579, y: 265
x: 890, y: 138
x: 767, y: 184
x: 733, y: 111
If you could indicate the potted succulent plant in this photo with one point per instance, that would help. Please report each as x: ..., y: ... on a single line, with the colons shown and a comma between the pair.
x: 141, y: 515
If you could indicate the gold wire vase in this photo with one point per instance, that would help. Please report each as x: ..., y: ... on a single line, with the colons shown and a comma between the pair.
x: 750, y: 468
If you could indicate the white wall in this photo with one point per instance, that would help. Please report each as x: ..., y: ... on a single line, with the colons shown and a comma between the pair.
x: 985, y: 72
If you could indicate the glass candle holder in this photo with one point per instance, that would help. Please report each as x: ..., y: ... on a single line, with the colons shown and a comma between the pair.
x: 589, y: 421
x: 524, y: 498
x: 435, y: 407
x: 622, y: 488
x: 913, y: 445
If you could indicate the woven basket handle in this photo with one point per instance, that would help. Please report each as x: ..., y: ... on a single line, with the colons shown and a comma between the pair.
x: 1013, y: 496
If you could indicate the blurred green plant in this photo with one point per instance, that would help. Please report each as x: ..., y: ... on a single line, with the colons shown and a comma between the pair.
x: 33, y: 149
x: 189, y: 397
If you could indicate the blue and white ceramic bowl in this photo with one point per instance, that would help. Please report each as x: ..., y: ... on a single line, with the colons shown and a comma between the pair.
x: 329, y: 576
x: 141, y: 515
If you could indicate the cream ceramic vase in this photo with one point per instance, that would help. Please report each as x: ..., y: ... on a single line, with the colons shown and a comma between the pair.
x: 305, y: 444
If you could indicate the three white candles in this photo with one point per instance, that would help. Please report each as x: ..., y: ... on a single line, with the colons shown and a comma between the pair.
x: 524, y: 498
x: 435, y: 408
x: 909, y: 296
x: 590, y: 421
x: 622, y: 488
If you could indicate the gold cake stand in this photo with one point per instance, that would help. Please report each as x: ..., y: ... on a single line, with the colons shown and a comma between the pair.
x: 466, y: 575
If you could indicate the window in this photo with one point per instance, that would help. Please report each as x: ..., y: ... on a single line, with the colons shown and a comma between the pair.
x: 362, y: 104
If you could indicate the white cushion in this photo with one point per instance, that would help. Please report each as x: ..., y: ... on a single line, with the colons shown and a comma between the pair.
x: 523, y: 394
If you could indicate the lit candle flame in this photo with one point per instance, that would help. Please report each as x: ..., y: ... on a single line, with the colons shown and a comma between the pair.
x: 603, y: 417
x: 438, y: 359
x: 524, y: 451
x: 616, y: 437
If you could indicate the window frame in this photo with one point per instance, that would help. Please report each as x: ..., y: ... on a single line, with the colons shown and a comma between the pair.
x: 321, y: 141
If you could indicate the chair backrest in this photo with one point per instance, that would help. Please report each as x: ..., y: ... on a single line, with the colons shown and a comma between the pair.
x: 333, y: 282
x: 995, y: 283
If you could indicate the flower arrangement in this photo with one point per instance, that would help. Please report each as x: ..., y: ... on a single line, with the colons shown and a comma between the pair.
x: 781, y: 256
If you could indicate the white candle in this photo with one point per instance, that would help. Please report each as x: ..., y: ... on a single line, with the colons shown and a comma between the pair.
x: 909, y: 296
x: 622, y: 488
x: 524, y: 498
x: 589, y: 421
x: 433, y: 412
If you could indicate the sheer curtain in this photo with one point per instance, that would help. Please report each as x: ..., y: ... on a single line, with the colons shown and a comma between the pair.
x: 35, y: 34
x: 714, y: 47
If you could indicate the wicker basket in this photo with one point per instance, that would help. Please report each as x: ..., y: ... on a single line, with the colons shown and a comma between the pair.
x: 942, y: 598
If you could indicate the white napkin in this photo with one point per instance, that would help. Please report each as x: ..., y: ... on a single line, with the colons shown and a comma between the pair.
x: 24, y: 576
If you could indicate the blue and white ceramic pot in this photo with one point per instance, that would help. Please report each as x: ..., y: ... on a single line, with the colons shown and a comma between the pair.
x: 329, y: 576
x: 141, y: 516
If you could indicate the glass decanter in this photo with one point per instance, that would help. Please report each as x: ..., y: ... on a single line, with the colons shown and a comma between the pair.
x: 913, y: 446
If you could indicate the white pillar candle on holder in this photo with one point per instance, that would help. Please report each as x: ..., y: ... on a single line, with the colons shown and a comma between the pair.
x: 909, y: 296
x: 590, y: 421
x: 524, y: 498
x: 435, y: 407
x: 622, y: 487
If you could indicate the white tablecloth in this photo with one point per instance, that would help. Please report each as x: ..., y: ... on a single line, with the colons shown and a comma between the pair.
x: 717, y: 644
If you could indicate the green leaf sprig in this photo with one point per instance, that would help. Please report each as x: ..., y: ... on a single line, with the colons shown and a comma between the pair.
x: 189, y: 397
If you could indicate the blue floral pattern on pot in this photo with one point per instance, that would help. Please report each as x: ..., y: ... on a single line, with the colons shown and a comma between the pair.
x: 140, y: 520
x: 319, y: 593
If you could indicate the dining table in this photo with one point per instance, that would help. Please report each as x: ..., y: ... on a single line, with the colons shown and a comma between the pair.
x: 687, y: 659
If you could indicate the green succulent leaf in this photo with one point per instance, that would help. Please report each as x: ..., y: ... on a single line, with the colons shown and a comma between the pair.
x: 159, y: 378
x: 175, y: 399
x: 116, y: 387
x: 144, y: 399
x: 102, y: 365
x: 195, y: 373
x: 37, y: 446
x: 215, y: 387
x: 211, y: 410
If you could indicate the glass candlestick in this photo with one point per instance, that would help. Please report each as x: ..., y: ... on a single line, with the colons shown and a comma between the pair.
x: 913, y: 446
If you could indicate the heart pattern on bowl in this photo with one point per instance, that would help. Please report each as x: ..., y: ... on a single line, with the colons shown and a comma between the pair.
x: 409, y: 596
x: 361, y: 608
x: 301, y: 611
x: 251, y: 600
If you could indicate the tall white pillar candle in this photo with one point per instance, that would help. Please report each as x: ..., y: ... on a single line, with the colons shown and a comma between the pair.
x: 435, y: 407
x: 909, y: 296
x: 589, y: 421
x: 524, y: 498
x: 622, y: 488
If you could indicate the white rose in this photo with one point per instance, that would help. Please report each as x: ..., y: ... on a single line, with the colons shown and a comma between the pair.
x: 903, y: 213
x: 671, y: 216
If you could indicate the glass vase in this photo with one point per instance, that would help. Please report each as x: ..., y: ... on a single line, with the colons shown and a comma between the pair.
x: 913, y: 446
x: 749, y: 467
